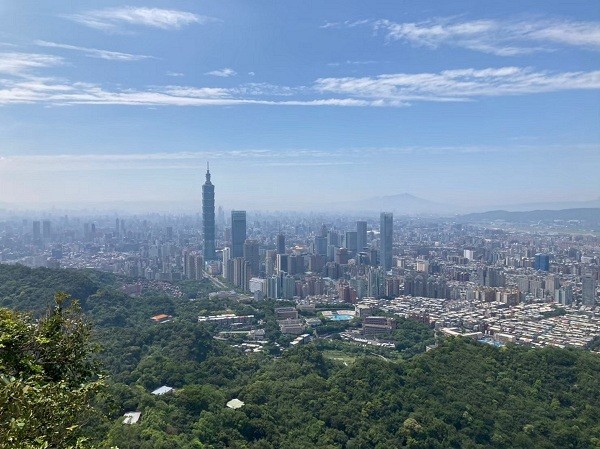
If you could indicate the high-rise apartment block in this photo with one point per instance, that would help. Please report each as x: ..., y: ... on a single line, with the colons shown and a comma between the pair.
x: 588, y: 291
x: 361, y: 235
x: 251, y: 254
x: 386, y: 236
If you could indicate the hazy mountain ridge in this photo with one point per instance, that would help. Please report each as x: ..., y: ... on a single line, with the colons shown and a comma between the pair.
x: 401, y: 204
x: 558, y: 205
x: 590, y: 215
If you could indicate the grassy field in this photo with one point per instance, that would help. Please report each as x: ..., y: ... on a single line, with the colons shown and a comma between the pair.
x: 339, y: 356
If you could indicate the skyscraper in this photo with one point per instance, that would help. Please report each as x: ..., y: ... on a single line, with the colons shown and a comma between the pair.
x: 37, y: 232
x: 238, y: 233
x: 588, y: 291
x: 251, y: 254
x: 281, y: 244
x: 542, y: 262
x: 361, y: 235
x: 46, y: 229
x: 386, y: 235
x: 208, y: 217
x: 350, y: 242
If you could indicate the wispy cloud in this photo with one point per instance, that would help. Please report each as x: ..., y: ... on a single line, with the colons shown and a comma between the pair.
x: 290, y: 157
x: 158, y: 161
x: 223, y: 73
x: 95, y: 53
x: 346, y: 24
x: 174, y: 74
x: 458, y: 85
x: 54, y: 92
x: 351, y: 63
x: 113, y: 19
x: 13, y: 63
x: 24, y: 85
x: 500, y: 37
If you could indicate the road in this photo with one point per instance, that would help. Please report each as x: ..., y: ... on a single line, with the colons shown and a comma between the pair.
x: 216, y: 282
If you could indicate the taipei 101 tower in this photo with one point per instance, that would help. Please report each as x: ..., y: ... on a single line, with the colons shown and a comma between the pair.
x: 208, y: 216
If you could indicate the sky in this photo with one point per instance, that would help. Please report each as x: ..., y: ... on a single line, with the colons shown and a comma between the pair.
x: 298, y: 104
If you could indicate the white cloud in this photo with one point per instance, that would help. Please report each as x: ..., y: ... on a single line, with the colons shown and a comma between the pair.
x: 345, y: 24
x: 112, y: 19
x: 458, y: 85
x: 174, y: 74
x: 96, y: 53
x: 223, y: 73
x: 388, y: 90
x: 13, y: 63
x: 499, y: 37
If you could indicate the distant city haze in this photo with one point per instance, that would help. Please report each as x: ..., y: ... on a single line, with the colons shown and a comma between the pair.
x: 427, y: 107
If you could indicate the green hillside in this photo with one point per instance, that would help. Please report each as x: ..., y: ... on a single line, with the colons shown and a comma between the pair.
x: 459, y: 395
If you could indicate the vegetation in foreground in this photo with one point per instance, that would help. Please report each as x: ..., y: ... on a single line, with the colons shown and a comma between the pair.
x: 324, y: 395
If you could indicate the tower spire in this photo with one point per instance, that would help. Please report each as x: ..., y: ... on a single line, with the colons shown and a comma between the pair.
x: 207, y: 172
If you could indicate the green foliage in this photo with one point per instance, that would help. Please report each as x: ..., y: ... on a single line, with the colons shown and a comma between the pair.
x: 558, y: 311
x: 29, y: 289
x: 411, y: 337
x: 47, y: 377
x: 460, y: 395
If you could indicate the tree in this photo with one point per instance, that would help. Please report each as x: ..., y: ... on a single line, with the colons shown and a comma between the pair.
x: 47, y: 377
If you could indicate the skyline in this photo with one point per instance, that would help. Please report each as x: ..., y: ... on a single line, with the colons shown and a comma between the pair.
x: 484, y: 103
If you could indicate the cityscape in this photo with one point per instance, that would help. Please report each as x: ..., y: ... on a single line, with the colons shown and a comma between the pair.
x: 295, y: 225
x: 535, y: 286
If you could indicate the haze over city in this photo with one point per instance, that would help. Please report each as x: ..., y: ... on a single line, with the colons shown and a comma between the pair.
x: 468, y: 104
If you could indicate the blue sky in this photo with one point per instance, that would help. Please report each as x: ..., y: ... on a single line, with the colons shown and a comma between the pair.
x: 299, y: 103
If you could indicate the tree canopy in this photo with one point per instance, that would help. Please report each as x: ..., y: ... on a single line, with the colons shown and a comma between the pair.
x: 47, y: 377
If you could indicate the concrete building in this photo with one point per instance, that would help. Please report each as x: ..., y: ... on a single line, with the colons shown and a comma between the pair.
x: 588, y: 291
x: 386, y: 242
x: 361, y: 235
x: 238, y: 233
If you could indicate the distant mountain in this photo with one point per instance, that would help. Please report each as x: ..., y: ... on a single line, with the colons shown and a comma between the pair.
x: 589, y: 215
x: 403, y: 203
x: 560, y: 205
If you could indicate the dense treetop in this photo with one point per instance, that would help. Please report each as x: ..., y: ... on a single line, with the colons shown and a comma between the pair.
x: 328, y: 394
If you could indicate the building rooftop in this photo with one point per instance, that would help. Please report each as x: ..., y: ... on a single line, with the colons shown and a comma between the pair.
x: 162, y: 390
x: 235, y: 404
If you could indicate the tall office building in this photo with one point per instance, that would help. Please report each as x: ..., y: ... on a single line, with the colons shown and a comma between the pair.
x: 282, y: 263
x: 281, y: 244
x: 46, y: 229
x: 542, y: 262
x: 350, y: 242
x: 208, y: 217
x: 238, y: 233
x: 386, y: 236
x: 320, y: 245
x: 361, y: 235
x: 588, y: 291
x: 333, y: 238
x: 37, y: 231
x: 251, y: 254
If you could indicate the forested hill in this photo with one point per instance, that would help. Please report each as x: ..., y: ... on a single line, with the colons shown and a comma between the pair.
x: 24, y: 288
x: 459, y: 395
x: 99, y: 294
